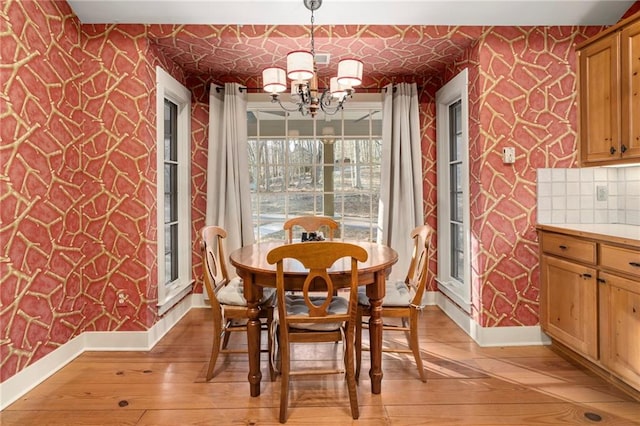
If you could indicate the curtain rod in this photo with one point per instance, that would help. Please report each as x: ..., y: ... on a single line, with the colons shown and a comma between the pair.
x: 260, y: 90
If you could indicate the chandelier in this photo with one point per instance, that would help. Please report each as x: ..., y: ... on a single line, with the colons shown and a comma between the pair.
x: 302, y: 71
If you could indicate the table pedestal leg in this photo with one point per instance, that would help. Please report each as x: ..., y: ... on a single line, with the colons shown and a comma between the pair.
x: 375, y: 342
x: 253, y: 343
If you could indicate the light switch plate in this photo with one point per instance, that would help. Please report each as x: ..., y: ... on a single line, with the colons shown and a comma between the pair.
x: 509, y: 155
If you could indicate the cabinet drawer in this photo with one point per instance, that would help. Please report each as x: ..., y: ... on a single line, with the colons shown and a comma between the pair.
x: 620, y: 259
x: 569, y: 247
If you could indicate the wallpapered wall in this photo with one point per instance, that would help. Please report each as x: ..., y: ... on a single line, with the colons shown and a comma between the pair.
x: 78, y: 179
x: 522, y: 94
x: 78, y: 166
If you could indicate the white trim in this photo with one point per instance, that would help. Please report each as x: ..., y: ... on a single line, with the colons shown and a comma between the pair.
x: 30, y: 377
x: 456, y: 89
x: 430, y: 298
x: 492, y: 336
x: 510, y: 336
x: 175, y: 295
x: 170, y: 88
x: 452, y: 291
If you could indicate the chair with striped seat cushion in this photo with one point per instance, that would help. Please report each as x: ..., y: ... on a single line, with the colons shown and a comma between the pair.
x: 308, y: 317
x: 402, y: 300
x: 226, y: 297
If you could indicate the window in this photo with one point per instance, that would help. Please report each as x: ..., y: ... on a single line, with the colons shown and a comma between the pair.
x: 454, y: 266
x: 325, y: 166
x: 171, y: 254
x: 174, y: 190
x: 456, y: 220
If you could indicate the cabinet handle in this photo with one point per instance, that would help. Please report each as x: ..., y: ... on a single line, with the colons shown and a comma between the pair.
x: 601, y: 280
x: 563, y: 247
x: 612, y: 150
x: 635, y: 264
x: 586, y: 275
x: 623, y: 148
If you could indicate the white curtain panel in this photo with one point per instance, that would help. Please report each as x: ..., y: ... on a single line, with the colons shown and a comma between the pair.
x: 401, y: 202
x: 228, y: 192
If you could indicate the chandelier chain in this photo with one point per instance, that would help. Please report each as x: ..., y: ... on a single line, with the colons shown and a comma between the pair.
x: 313, y: 44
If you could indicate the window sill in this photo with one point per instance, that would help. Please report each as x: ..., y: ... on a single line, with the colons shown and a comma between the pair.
x: 174, y: 296
x: 453, y: 290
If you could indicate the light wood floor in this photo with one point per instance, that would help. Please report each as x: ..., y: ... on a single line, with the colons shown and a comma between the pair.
x: 467, y: 385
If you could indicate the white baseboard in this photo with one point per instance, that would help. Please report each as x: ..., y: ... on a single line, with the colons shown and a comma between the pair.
x: 491, y: 336
x: 31, y: 376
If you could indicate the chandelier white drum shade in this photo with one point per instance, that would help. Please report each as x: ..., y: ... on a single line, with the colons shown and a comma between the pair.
x: 300, y: 65
x: 302, y: 71
x: 274, y: 80
x: 350, y: 72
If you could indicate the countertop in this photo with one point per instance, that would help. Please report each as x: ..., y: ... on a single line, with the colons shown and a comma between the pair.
x: 623, y: 234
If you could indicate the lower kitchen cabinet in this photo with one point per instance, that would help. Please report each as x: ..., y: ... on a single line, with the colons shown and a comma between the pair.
x: 569, y: 312
x: 620, y: 327
x: 590, y: 300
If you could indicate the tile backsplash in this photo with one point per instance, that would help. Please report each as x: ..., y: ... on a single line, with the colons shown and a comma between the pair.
x: 589, y: 195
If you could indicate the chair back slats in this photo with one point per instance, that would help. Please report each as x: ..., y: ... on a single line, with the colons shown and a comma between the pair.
x: 417, y: 276
x: 311, y: 224
x: 317, y: 310
x: 214, y: 268
x: 317, y: 257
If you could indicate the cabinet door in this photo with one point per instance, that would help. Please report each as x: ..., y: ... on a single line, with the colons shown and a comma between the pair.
x: 599, y: 103
x: 630, y: 90
x: 568, y: 309
x: 620, y: 327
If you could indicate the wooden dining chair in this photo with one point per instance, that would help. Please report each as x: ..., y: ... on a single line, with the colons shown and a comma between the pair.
x: 316, y: 318
x: 402, y: 300
x: 311, y: 224
x: 230, y: 312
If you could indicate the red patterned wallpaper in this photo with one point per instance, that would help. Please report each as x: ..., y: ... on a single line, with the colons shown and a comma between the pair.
x: 78, y: 185
x: 78, y: 166
x: 41, y: 183
x: 522, y: 94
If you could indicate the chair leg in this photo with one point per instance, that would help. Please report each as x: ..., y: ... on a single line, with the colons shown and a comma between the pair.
x: 215, y: 350
x: 407, y: 328
x: 351, y: 380
x: 270, y: 347
x: 415, y: 345
x: 227, y: 334
x: 284, y: 385
x: 358, y: 342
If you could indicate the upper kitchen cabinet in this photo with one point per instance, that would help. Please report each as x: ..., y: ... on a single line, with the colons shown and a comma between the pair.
x: 609, y: 95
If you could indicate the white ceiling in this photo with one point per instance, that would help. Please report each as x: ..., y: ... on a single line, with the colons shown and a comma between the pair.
x: 338, y: 12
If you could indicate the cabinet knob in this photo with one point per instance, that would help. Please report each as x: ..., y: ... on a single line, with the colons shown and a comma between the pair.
x: 623, y: 148
x: 612, y: 150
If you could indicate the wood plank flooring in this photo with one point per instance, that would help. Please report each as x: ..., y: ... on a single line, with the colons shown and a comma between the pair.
x: 467, y: 385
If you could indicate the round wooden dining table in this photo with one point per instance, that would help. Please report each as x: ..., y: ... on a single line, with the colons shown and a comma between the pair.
x: 251, y: 265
